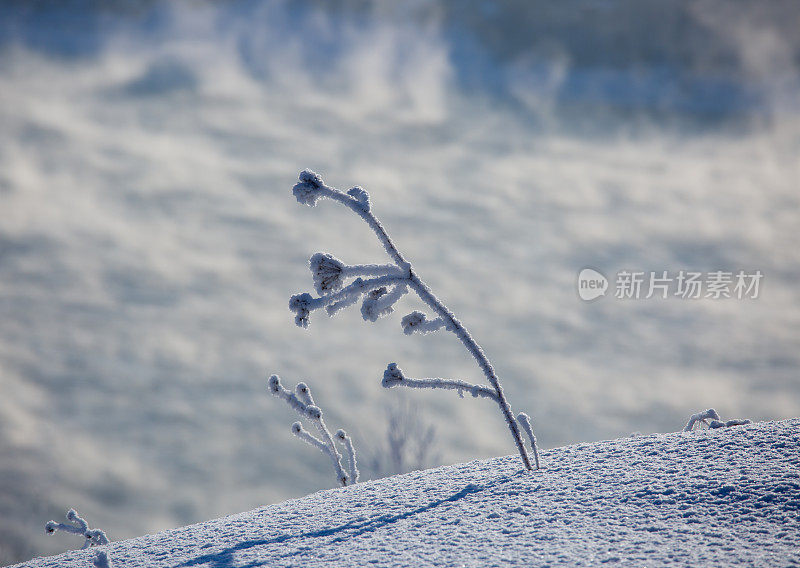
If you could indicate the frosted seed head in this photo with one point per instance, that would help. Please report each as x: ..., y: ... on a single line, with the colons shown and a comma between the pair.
x: 392, y: 376
x: 326, y: 271
x: 341, y: 434
x: 411, y: 321
x: 716, y: 424
x: 50, y: 527
x: 310, y: 176
x: 313, y: 412
x: 297, y: 428
x: 360, y: 195
x: 711, y: 413
x: 301, y: 388
x: 275, y: 384
x: 299, y: 305
x: 72, y: 514
x: 309, y: 189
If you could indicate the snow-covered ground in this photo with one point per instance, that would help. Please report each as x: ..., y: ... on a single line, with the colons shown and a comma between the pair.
x: 149, y: 242
x: 728, y: 497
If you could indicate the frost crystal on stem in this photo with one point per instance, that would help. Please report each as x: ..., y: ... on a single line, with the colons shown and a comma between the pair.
x: 386, y: 285
x: 303, y: 403
x: 94, y: 537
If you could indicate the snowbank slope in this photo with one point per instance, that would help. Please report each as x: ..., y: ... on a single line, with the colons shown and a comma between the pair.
x: 713, y: 498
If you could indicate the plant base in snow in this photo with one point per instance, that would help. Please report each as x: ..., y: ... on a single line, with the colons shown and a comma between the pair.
x: 101, y: 560
x: 302, y: 401
x: 385, y: 284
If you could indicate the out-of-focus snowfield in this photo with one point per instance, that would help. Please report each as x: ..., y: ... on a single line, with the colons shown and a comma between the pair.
x: 149, y: 242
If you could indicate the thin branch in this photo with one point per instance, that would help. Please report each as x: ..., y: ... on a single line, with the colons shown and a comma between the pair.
x: 393, y: 377
x: 351, y: 454
x: 525, y: 421
x: 303, y: 304
x: 308, y: 438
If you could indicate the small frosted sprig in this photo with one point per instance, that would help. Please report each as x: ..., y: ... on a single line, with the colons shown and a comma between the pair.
x: 712, y: 420
x: 302, y: 402
x: 393, y: 377
x: 303, y: 304
x: 380, y: 302
x: 385, y: 284
x: 351, y: 454
x: 525, y: 421
x: 417, y: 322
x: 94, y: 537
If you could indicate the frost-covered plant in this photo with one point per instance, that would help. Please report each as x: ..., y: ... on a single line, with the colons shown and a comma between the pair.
x: 302, y: 401
x: 712, y: 420
x: 383, y: 286
x: 94, y: 537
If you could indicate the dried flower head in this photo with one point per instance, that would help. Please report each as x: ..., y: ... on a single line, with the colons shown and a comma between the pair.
x: 299, y: 304
x: 309, y: 189
x: 327, y: 271
x: 392, y: 376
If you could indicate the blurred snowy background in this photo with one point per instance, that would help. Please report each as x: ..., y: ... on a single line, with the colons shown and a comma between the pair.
x: 149, y: 241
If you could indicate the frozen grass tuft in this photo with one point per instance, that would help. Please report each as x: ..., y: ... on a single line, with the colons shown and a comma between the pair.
x: 303, y: 403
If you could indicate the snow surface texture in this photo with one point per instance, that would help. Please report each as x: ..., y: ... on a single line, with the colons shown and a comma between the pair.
x: 727, y: 497
x: 148, y: 245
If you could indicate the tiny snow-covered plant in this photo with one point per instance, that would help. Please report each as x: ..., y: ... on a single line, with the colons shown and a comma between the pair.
x: 712, y: 420
x: 94, y: 537
x: 385, y: 284
x: 701, y: 417
x: 101, y: 560
x: 302, y: 401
